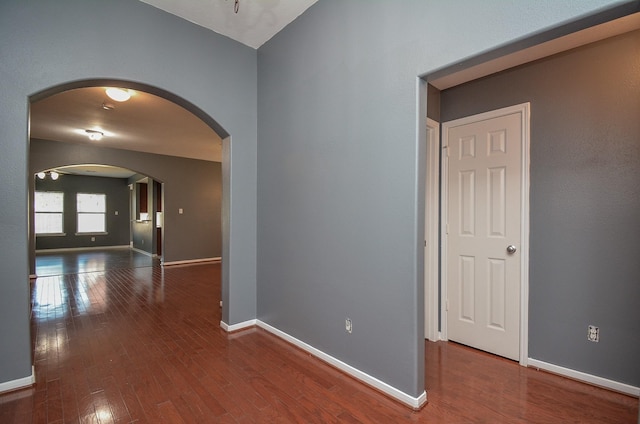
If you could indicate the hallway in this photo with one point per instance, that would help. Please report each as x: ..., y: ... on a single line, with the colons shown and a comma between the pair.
x: 144, y: 345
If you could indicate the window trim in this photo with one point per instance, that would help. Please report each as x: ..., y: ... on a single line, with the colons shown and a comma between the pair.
x: 36, y: 212
x: 104, y: 215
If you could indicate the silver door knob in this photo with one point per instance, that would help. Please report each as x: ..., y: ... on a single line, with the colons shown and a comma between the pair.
x: 511, y: 249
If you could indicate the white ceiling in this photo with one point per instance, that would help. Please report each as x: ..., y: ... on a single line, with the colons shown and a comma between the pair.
x: 254, y: 24
x: 145, y: 123
x: 96, y: 171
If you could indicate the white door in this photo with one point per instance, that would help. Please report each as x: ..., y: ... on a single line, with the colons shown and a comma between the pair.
x: 484, y: 230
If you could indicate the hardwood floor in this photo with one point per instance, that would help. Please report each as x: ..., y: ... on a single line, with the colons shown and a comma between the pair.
x: 90, y: 260
x: 144, y: 345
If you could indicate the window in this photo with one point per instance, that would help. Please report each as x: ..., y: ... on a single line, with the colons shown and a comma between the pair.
x: 92, y: 211
x: 49, y: 209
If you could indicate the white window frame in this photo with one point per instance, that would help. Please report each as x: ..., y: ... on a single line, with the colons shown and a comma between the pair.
x: 36, y: 212
x: 79, y: 212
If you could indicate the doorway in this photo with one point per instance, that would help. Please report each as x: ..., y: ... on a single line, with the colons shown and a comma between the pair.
x: 483, y: 66
x: 182, y: 217
x: 485, y: 230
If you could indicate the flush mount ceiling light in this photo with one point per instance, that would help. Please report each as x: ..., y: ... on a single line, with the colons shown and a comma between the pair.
x: 118, y: 94
x: 94, y: 135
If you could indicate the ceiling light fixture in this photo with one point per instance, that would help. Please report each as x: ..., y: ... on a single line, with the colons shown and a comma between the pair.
x: 94, y: 135
x: 118, y: 94
x: 53, y: 174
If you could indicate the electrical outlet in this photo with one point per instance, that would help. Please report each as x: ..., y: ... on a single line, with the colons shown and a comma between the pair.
x: 593, y: 333
x: 348, y: 325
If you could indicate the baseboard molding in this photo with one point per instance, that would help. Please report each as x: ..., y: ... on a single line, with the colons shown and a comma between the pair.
x: 76, y: 249
x: 192, y: 261
x: 144, y: 252
x: 412, y: 402
x: 20, y: 383
x: 584, y: 377
x: 438, y: 337
x: 237, y: 327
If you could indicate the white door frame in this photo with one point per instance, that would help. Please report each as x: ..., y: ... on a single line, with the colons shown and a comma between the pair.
x: 431, y: 284
x: 431, y: 225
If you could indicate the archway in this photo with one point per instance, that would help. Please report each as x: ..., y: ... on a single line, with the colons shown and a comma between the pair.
x: 130, y: 42
x: 125, y: 212
x: 179, y: 175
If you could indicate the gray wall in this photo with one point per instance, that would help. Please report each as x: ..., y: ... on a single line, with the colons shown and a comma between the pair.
x: 341, y: 167
x: 142, y: 236
x: 117, y: 192
x: 585, y: 198
x: 45, y: 44
x: 190, y: 184
x: 143, y: 231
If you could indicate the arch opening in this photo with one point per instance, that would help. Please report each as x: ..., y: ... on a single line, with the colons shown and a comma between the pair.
x: 180, y: 179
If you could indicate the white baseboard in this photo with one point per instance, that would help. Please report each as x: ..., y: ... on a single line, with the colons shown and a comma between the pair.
x: 584, y: 377
x: 75, y: 249
x: 144, y: 252
x: 19, y: 383
x: 192, y: 261
x: 413, y: 402
x: 240, y: 326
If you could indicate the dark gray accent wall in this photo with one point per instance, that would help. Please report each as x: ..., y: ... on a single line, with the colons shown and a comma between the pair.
x: 143, y: 231
x: 142, y: 236
x: 190, y: 184
x: 585, y: 198
x: 117, y: 226
x: 46, y: 44
x: 341, y: 163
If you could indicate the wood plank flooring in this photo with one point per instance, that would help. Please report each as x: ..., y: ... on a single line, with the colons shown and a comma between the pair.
x: 90, y: 260
x: 144, y: 345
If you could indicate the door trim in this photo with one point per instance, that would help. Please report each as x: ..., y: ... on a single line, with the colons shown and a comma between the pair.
x: 431, y: 225
x: 524, y: 110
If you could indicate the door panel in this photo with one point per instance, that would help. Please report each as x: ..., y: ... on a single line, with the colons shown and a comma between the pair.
x: 484, y: 217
